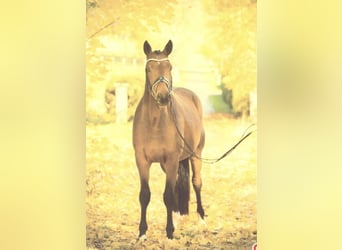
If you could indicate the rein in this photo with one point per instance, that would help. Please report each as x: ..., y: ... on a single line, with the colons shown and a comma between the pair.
x: 207, y: 160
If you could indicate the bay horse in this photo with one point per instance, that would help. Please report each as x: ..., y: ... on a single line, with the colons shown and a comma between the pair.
x: 166, y: 118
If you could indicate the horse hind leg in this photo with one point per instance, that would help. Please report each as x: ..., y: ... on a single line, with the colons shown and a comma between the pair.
x: 196, y: 165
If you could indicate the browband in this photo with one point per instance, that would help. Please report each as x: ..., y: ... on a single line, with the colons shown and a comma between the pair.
x: 157, y: 60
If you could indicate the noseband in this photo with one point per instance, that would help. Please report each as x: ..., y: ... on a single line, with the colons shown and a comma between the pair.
x: 167, y: 82
x: 156, y: 83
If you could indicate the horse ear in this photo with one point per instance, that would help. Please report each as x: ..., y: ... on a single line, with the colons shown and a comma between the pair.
x: 147, y: 48
x: 168, y: 48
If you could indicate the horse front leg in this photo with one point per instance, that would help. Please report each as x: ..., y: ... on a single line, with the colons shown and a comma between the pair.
x: 170, y: 200
x: 144, y: 197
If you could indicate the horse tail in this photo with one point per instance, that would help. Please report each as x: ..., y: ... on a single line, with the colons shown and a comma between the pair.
x: 183, y: 186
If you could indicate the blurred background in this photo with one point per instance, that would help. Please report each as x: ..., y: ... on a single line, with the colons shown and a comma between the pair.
x: 214, y: 53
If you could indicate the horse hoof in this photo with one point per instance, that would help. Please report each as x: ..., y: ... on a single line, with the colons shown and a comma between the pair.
x: 201, y: 223
x: 142, y: 238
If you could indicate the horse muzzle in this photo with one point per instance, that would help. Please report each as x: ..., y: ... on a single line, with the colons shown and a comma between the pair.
x: 162, y: 94
x: 163, y: 99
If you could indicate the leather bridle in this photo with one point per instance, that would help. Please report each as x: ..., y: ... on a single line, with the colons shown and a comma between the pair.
x: 161, y: 79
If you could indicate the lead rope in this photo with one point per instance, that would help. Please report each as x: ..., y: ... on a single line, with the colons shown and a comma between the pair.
x: 207, y: 160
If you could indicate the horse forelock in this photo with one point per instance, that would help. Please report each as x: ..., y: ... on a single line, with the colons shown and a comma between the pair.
x: 156, y: 54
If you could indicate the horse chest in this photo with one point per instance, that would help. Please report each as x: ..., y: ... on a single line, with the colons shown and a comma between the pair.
x: 160, y: 139
x: 158, y: 146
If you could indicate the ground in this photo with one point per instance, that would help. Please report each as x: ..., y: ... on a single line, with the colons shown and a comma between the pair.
x: 228, y: 192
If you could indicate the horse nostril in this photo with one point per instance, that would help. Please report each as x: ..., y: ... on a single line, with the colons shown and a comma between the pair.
x: 163, y: 99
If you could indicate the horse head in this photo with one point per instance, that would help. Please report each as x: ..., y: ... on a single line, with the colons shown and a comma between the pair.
x: 158, y: 73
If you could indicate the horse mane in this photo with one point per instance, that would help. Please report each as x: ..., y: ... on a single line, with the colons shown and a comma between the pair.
x: 158, y: 52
